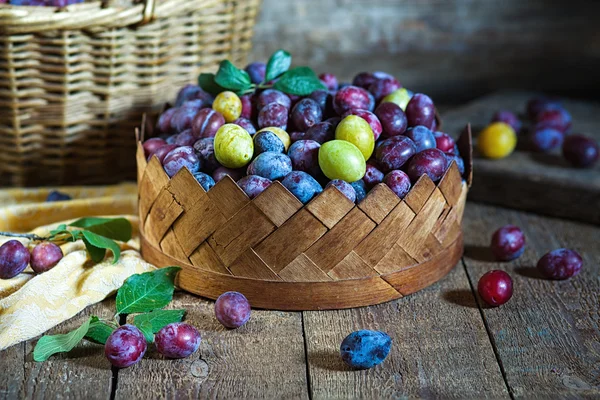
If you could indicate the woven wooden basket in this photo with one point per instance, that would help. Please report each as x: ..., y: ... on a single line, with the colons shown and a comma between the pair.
x: 328, y: 254
x: 75, y: 82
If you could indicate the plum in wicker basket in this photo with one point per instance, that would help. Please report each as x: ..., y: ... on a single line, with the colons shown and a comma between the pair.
x: 327, y: 254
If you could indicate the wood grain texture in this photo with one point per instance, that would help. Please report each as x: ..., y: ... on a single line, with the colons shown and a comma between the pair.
x: 12, y: 377
x: 278, y: 295
x: 524, y: 178
x: 302, y: 269
x: 82, y: 373
x: 419, y: 193
x: 495, y: 45
x: 250, y: 265
x: 381, y: 240
x: 277, y: 203
x: 153, y: 180
x: 380, y: 201
x: 322, y: 206
x: 336, y: 243
x: 163, y: 213
x: 228, y: 196
x: 547, y: 335
x: 291, y: 239
x: 439, y: 349
x: 206, y: 258
x: 352, y: 267
x: 247, y: 228
x: 262, y: 359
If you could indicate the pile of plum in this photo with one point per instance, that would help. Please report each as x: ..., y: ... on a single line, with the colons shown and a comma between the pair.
x: 550, y: 129
x: 353, y: 136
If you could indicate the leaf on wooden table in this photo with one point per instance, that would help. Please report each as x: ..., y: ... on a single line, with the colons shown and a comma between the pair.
x: 159, y: 318
x: 52, y: 344
x: 146, y: 292
x: 99, y: 331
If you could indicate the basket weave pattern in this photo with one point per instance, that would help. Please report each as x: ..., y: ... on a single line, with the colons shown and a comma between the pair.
x: 329, y: 253
x: 74, y: 83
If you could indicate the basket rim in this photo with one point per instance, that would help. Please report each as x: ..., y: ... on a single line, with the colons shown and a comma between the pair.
x: 94, y: 15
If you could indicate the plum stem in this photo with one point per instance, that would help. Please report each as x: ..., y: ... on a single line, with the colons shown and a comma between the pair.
x: 30, y: 236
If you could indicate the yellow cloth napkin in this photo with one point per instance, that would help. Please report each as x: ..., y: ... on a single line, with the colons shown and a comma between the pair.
x: 31, y: 304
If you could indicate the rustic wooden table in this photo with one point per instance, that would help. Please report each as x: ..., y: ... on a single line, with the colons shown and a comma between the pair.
x: 544, y: 343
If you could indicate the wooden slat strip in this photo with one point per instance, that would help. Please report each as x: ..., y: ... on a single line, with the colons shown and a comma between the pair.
x: 419, y: 193
x: 450, y: 184
x: 394, y: 260
x: 341, y: 240
x: 170, y: 245
x: 380, y: 201
x: 163, y: 213
x: 302, y: 269
x: 197, y: 223
x: 185, y: 189
x: 153, y: 181
x: 277, y: 203
x: 412, y: 239
x: 205, y: 257
x: 291, y: 239
x: 352, y: 267
x: 330, y: 206
x: 250, y: 265
x: 246, y: 229
x: 228, y: 196
x: 278, y: 295
x: 410, y: 280
x: 141, y: 161
x: 379, y: 242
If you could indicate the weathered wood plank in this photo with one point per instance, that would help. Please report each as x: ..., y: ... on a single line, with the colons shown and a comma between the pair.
x: 523, y: 178
x: 13, y: 372
x: 547, y: 335
x: 83, y: 373
x: 439, y: 350
x: 263, y: 359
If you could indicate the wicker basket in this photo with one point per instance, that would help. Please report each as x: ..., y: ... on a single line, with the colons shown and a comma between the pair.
x: 75, y: 81
x: 328, y: 254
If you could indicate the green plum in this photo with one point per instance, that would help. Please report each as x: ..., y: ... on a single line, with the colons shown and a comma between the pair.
x: 400, y: 96
x: 340, y: 159
x: 357, y: 131
x: 233, y: 146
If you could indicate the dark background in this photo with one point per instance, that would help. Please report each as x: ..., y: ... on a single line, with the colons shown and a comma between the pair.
x: 453, y: 50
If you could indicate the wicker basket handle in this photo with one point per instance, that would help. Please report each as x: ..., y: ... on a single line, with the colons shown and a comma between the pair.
x: 148, y: 14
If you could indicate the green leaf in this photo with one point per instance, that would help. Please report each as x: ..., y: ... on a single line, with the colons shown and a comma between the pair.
x: 62, y: 230
x: 52, y: 344
x: 159, y: 318
x: 146, y: 328
x: 99, y: 331
x: 89, y: 221
x: 112, y: 228
x: 232, y: 78
x: 146, y: 292
x: 96, y: 245
x: 208, y: 84
x: 59, y: 229
x: 279, y: 62
x: 300, y: 81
